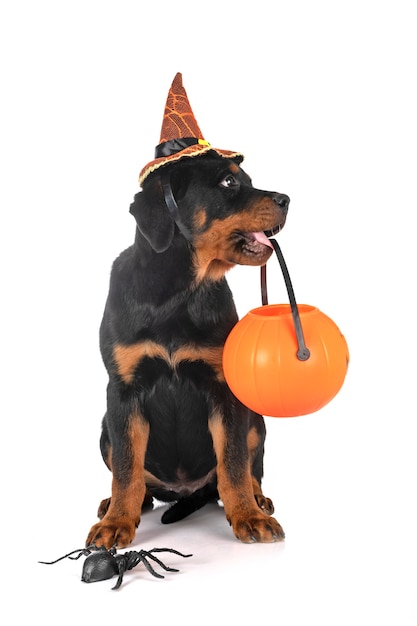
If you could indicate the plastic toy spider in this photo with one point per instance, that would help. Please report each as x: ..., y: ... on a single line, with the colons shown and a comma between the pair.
x: 102, y: 564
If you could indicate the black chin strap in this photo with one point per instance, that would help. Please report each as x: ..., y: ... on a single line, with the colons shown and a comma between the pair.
x: 172, y: 205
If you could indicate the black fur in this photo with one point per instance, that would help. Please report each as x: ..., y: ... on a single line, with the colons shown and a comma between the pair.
x: 173, y: 430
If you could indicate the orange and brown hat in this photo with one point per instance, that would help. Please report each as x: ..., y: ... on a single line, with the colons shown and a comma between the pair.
x: 180, y: 134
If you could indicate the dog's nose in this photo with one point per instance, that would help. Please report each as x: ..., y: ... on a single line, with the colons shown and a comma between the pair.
x: 282, y: 200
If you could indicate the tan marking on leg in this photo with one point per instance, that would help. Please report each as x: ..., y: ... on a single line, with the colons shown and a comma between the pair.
x: 264, y: 503
x: 249, y: 522
x: 237, y: 497
x: 119, y: 523
x: 127, y: 357
x: 253, y: 441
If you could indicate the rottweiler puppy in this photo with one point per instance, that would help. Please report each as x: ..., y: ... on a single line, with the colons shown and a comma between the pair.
x: 173, y: 430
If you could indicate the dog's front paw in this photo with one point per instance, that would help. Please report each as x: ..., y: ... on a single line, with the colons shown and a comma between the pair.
x: 257, y: 527
x: 109, y: 533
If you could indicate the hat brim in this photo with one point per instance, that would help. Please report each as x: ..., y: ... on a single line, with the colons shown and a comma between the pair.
x: 191, y: 151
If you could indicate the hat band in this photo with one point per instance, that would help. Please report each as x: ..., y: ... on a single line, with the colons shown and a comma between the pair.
x: 173, y: 146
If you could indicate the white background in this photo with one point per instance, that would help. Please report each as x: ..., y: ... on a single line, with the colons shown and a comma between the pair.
x: 321, y: 98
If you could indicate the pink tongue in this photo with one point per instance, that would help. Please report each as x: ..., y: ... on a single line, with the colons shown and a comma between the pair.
x: 262, y: 238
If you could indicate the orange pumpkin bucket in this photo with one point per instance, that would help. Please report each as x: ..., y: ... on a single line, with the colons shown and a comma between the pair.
x: 285, y: 360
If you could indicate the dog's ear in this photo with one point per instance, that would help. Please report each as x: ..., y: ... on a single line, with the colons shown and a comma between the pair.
x: 152, y: 216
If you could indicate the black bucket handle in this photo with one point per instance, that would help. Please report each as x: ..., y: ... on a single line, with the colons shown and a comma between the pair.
x: 303, y: 353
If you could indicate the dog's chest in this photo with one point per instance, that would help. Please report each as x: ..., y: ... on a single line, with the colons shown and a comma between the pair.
x: 178, y: 408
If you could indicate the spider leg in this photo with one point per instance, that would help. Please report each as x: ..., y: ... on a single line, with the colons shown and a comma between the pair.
x: 142, y: 558
x: 170, y: 550
x: 168, y: 569
x: 154, y: 558
x: 129, y: 560
x: 122, y: 568
x: 132, y: 559
x: 82, y: 551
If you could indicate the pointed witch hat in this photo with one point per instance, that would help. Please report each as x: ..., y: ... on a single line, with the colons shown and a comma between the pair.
x: 180, y: 134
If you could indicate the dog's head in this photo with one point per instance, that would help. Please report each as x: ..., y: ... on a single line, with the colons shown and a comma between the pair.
x: 225, y: 219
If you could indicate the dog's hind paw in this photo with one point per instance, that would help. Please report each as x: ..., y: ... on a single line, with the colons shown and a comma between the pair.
x: 103, y: 508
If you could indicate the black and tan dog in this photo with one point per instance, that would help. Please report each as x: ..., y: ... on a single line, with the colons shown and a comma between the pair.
x: 173, y: 430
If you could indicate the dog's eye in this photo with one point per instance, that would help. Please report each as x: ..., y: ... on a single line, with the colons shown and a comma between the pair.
x: 229, y: 181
